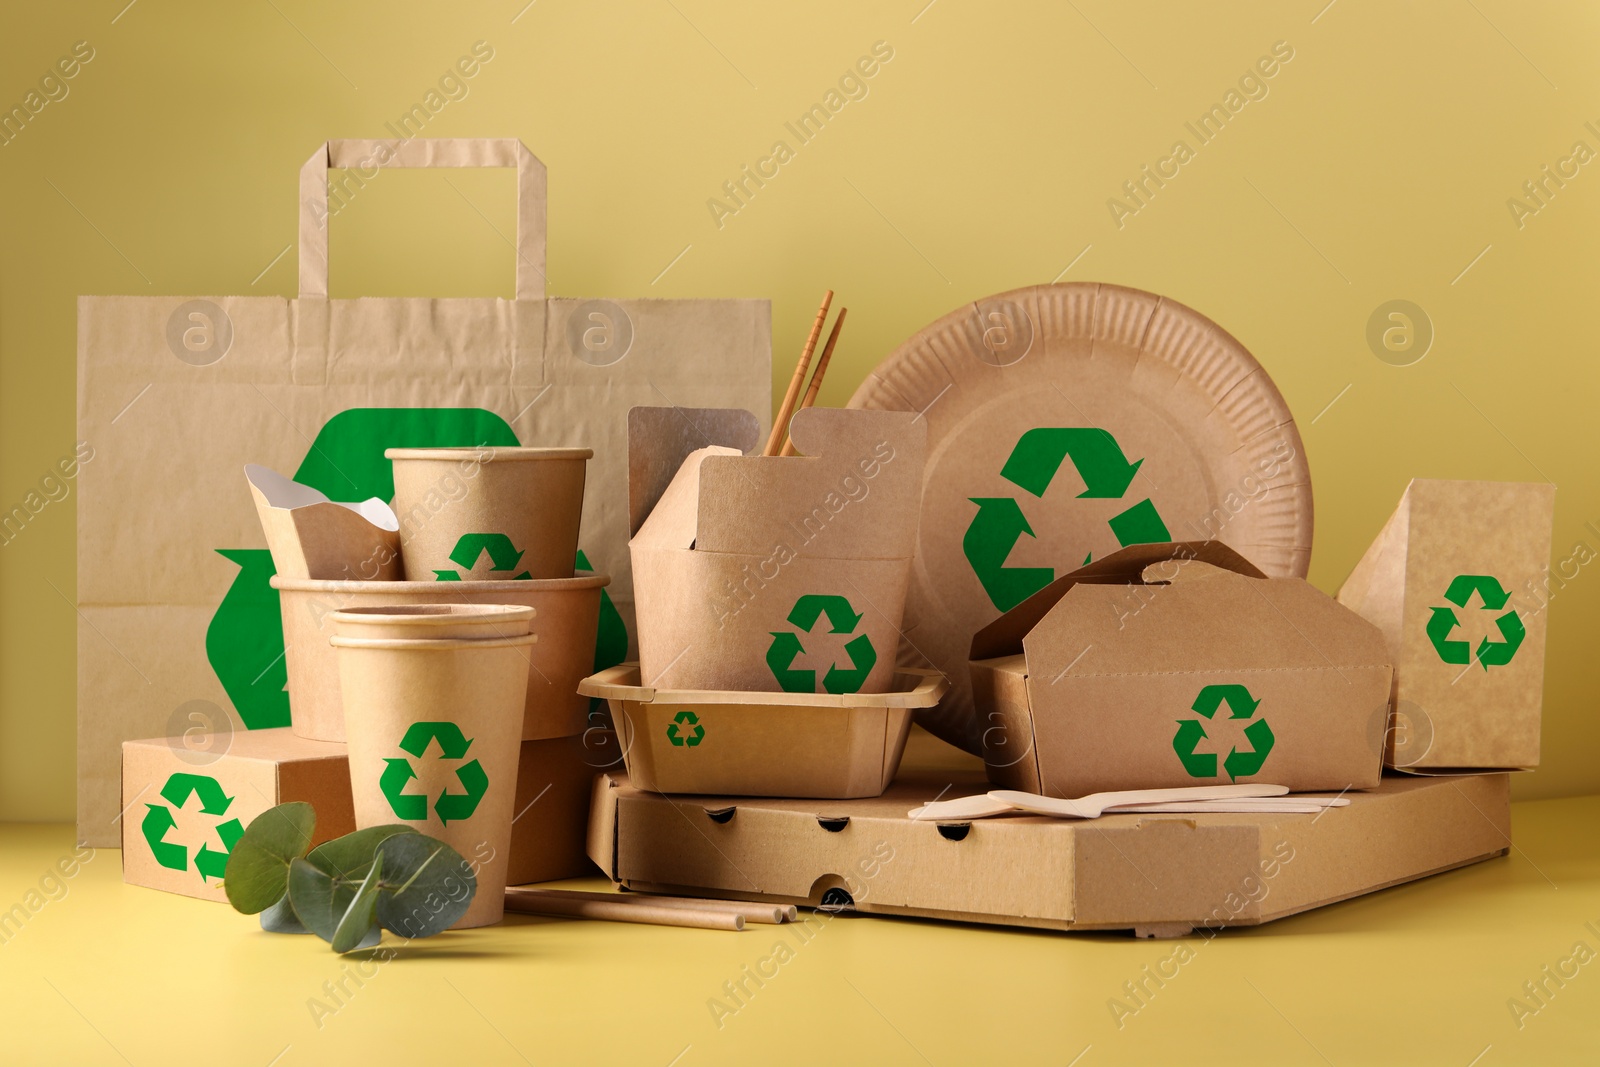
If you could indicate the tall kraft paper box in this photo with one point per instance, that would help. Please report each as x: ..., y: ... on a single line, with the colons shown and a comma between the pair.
x: 1456, y: 582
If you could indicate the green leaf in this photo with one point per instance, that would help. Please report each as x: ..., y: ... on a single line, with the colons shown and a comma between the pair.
x: 311, y: 894
x: 258, y: 867
x: 280, y: 917
x: 360, y: 918
x: 334, y: 910
x: 350, y: 857
x: 427, y: 885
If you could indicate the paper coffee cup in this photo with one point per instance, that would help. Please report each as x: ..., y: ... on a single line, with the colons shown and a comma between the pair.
x: 488, y: 514
x: 567, y: 620
x: 433, y: 723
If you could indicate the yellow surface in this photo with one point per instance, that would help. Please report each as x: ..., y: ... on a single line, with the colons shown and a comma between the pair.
x: 1418, y: 974
x: 982, y: 157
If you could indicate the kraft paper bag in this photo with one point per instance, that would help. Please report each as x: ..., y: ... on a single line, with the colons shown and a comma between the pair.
x: 179, y: 626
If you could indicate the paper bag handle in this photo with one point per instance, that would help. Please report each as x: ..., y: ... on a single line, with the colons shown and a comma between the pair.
x: 367, y: 158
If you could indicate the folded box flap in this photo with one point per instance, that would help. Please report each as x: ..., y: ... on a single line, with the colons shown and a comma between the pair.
x: 1206, y: 618
x: 1134, y: 565
x: 673, y: 521
x: 854, y: 492
x: 661, y: 438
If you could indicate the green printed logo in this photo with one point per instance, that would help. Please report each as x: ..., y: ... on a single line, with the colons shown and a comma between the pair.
x: 244, y: 642
x: 1492, y: 596
x: 1032, y: 466
x: 502, y: 554
x: 398, y: 772
x: 158, y: 819
x: 1241, y: 705
x: 786, y: 647
x: 680, y: 738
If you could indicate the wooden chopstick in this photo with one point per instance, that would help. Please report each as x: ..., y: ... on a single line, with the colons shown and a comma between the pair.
x: 528, y: 902
x: 780, y: 425
x: 816, y: 377
x: 753, y: 912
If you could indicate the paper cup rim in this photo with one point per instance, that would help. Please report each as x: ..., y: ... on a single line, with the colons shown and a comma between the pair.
x: 583, y: 580
x: 432, y: 644
x: 489, y: 453
x: 430, y: 614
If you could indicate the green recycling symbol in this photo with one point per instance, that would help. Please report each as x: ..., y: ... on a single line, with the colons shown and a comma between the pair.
x: 1493, y: 596
x: 680, y: 738
x: 244, y: 642
x: 1241, y: 705
x: 502, y: 553
x: 398, y: 771
x: 158, y: 819
x: 1032, y: 465
x: 786, y: 647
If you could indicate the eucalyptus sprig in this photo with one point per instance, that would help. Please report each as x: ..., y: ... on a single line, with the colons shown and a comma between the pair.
x: 349, y: 890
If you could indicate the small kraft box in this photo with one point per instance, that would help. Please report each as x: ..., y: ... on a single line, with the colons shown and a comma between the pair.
x: 1180, y: 664
x: 1457, y: 582
x: 775, y: 574
x: 184, y: 808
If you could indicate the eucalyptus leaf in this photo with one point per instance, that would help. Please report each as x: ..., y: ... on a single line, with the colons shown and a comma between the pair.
x: 360, y: 919
x: 427, y: 885
x: 280, y: 917
x: 350, y: 856
x: 257, y: 873
x: 311, y: 894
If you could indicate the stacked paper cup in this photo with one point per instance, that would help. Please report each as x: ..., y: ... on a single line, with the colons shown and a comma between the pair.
x: 435, y: 681
x: 433, y: 714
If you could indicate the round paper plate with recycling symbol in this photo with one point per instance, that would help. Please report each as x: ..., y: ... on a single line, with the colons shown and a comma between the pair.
x: 1065, y: 422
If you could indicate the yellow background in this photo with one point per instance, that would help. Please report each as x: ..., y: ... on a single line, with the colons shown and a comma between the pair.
x: 1377, y: 168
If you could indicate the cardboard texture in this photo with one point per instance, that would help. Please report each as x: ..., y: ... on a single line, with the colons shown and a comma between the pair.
x: 763, y: 744
x: 554, y: 780
x: 517, y: 519
x: 186, y: 805
x: 311, y: 536
x: 566, y: 615
x: 177, y: 393
x: 1457, y: 581
x: 1181, y: 664
x: 772, y: 573
x: 1158, y: 875
x: 550, y: 820
x: 1066, y: 421
x: 432, y: 725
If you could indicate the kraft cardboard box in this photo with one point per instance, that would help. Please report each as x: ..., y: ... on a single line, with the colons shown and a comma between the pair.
x: 551, y: 812
x: 182, y: 816
x: 1180, y: 664
x: 1457, y: 582
x: 1158, y: 875
x: 768, y: 744
x: 776, y: 574
x: 184, y: 808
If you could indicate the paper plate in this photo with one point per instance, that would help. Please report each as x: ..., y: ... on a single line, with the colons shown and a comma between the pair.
x: 1064, y: 422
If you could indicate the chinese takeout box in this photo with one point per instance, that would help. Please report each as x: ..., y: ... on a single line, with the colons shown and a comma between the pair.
x: 1180, y: 664
x: 1458, y: 582
x: 763, y: 744
x: 775, y: 574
